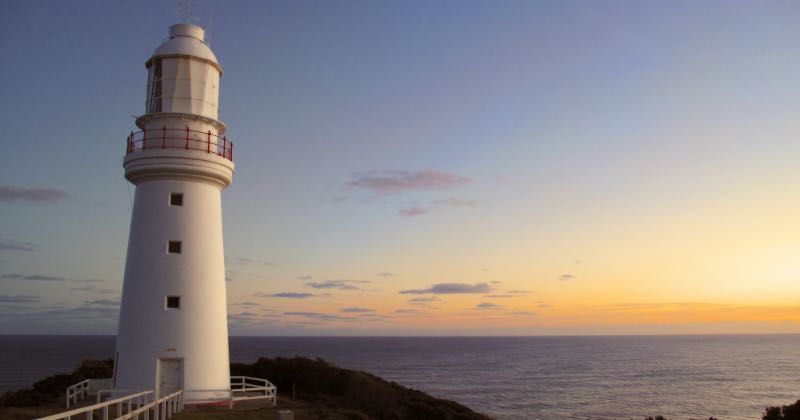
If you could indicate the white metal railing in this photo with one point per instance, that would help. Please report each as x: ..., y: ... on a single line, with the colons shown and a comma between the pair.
x: 160, y: 409
x: 80, y: 390
x: 123, y: 405
x: 249, y: 388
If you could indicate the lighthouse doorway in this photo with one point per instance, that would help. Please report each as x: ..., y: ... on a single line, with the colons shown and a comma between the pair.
x: 170, y: 376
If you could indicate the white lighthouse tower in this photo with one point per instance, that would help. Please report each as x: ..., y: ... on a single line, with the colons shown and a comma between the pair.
x: 173, y: 330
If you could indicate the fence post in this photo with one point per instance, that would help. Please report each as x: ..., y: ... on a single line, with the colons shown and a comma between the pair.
x: 187, y: 137
x: 144, y: 139
x: 209, y: 141
x: 164, y: 137
x: 224, y: 146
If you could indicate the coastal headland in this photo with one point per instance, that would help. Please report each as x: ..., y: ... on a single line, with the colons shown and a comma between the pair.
x: 310, y: 388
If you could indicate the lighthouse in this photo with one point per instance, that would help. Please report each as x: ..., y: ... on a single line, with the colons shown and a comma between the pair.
x: 173, y: 330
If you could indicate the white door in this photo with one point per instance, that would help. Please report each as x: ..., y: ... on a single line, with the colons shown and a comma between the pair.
x: 170, y: 376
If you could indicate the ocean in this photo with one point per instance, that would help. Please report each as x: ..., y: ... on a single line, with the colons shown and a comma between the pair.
x: 680, y: 377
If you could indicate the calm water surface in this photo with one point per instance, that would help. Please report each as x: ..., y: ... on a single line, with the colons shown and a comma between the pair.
x: 682, y: 377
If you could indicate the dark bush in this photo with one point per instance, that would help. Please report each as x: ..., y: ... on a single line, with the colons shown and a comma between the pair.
x: 52, y: 388
x: 787, y: 412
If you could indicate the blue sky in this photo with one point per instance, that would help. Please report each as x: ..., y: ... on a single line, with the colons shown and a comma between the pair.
x: 583, y: 154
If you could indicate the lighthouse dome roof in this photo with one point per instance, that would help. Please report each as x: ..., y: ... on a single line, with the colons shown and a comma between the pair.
x: 186, y: 39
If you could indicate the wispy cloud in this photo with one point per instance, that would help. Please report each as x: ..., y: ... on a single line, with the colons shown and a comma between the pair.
x: 412, y: 211
x: 500, y: 296
x: 12, y: 245
x: 566, y: 277
x: 87, y: 280
x: 409, y: 311
x: 102, y: 302
x: 424, y: 299
x: 390, y: 182
x: 305, y: 278
x: 525, y: 314
x: 30, y: 277
x: 19, y: 299
x: 483, y: 306
x: 357, y: 310
x: 318, y: 316
x: 10, y: 193
x: 336, y: 284
x: 248, y: 261
x: 451, y: 288
x: 285, y: 295
x: 94, y: 289
x: 454, y: 202
x: 385, y: 274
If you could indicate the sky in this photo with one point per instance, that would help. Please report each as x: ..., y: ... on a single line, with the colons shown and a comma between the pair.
x: 426, y: 168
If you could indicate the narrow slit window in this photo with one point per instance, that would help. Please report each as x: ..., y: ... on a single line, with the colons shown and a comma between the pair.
x: 173, y: 302
x: 155, y: 89
x: 174, y: 247
x: 176, y: 199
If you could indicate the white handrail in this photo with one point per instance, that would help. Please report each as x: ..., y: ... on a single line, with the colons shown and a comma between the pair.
x: 140, y: 398
x: 86, y: 387
x: 162, y: 408
x: 262, y: 389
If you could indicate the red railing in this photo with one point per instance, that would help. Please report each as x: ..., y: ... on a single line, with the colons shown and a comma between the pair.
x: 180, y: 138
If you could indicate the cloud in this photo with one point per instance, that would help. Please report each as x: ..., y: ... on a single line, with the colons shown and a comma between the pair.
x: 287, y: 295
x: 566, y: 277
x: 335, y: 284
x: 318, y: 316
x: 390, y: 182
x: 248, y: 304
x: 500, y: 296
x: 526, y: 314
x: 410, y: 311
x: 248, y: 261
x: 519, y: 292
x: 495, y: 281
x: 9, y: 193
x: 19, y: 299
x: 305, y: 277
x: 423, y: 299
x: 488, y: 306
x: 87, y: 280
x: 545, y: 305
x: 412, y: 211
x: 454, y: 202
x: 34, y: 277
x: 90, y: 288
x: 356, y: 310
x: 451, y: 288
x: 12, y: 245
x: 385, y: 274
x: 102, y: 302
